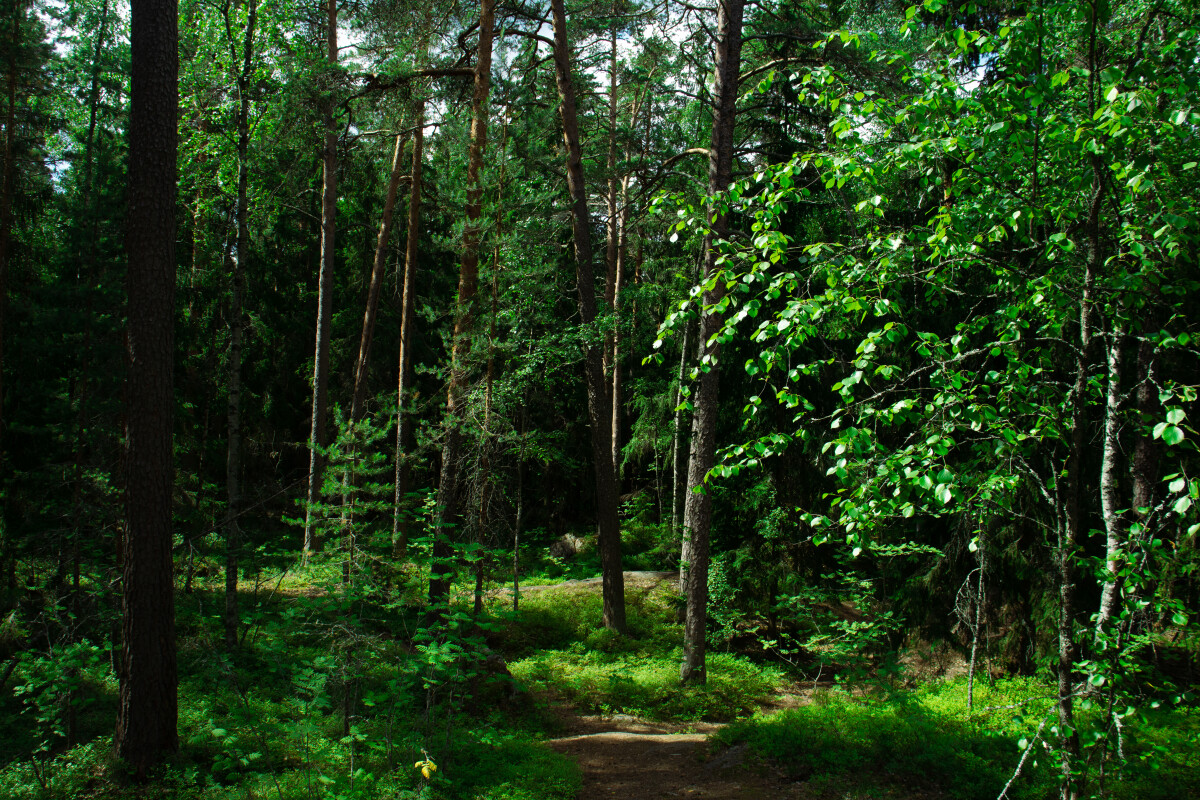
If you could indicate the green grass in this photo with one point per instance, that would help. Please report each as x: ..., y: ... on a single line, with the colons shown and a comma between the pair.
x: 563, y: 650
x: 926, y: 739
x: 268, y: 720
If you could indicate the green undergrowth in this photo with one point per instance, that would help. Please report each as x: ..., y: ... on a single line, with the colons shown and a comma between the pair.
x: 926, y: 740
x: 325, y: 698
x: 560, y: 648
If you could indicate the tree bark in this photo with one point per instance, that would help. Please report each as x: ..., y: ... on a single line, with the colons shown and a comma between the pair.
x: 612, y: 259
x: 408, y: 301
x: 516, y: 559
x: 319, y: 437
x: 1072, y: 522
x: 599, y: 410
x: 376, y: 285
x: 147, y: 704
x: 1110, y: 484
x: 1146, y: 449
x: 464, y: 320
x: 697, y: 519
x: 233, y: 455
x: 681, y: 442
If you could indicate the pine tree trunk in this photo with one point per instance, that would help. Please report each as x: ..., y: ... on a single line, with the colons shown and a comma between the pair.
x: 86, y: 279
x: 376, y: 285
x: 697, y: 516
x: 408, y: 299
x: 233, y: 455
x: 147, y: 704
x: 464, y: 321
x: 599, y: 399
x: 612, y: 260
x: 318, y: 438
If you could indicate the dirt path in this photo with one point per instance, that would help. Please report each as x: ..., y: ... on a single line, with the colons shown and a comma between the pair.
x: 634, y: 759
x: 631, y: 759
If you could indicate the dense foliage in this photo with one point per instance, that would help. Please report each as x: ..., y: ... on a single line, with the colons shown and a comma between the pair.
x: 948, y: 287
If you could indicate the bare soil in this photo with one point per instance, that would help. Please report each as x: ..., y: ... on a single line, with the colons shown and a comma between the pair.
x: 634, y: 759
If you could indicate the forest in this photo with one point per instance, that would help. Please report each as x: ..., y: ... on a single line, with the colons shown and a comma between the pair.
x: 522, y: 400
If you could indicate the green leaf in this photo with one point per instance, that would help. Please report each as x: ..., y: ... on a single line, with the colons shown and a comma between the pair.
x: 1173, y: 435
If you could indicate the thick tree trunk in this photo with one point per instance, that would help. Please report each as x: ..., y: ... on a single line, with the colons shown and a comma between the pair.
x: 697, y: 518
x: 233, y: 455
x: 464, y: 320
x: 408, y: 301
x: 147, y: 705
x: 318, y: 438
x: 599, y: 410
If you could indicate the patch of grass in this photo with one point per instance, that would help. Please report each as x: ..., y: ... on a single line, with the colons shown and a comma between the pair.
x: 927, y: 738
x: 566, y: 651
x: 512, y: 769
x: 646, y: 684
x: 897, y: 742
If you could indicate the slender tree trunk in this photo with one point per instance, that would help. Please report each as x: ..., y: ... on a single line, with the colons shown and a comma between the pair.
x: 618, y: 395
x: 976, y: 628
x: 1146, y: 449
x: 681, y: 442
x: 358, y: 397
x: 464, y: 320
x: 516, y: 562
x: 1071, y: 526
x: 485, y: 468
x: 612, y: 258
x: 697, y: 518
x: 85, y: 277
x: 318, y: 438
x: 1110, y: 483
x: 376, y: 285
x: 233, y: 455
x: 599, y: 410
x: 408, y: 299
x: 147, y: 704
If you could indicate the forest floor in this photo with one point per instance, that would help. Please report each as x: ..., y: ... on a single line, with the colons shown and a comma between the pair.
x: 634, y: 759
